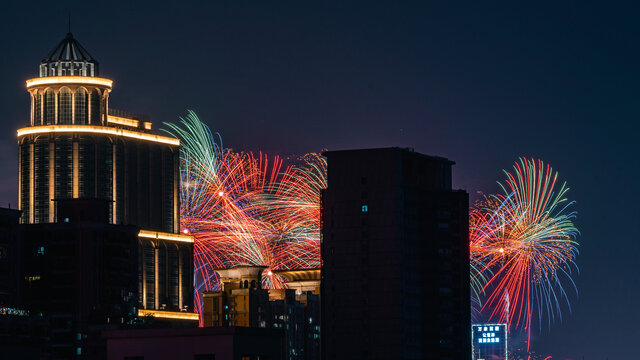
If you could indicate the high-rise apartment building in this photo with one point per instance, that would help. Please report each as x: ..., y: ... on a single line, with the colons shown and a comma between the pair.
x: 395, y: 275
x: 77, y: 147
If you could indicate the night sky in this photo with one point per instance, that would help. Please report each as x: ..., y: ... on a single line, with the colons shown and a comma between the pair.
x: 481, y: 84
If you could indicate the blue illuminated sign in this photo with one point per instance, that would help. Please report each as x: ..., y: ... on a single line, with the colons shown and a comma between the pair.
x: 489, y: 341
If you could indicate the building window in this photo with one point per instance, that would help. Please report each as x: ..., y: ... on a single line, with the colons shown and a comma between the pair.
x: 49, y: 107
x: 365, y: 208
x: 81, y: 106
x: 64, y: 106
x: 37, y: 109
x: 95, y: 108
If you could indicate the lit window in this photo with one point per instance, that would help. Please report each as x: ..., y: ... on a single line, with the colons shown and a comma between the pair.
x: 497, y: 339
x: 365, y: 208
x: 485, y: 328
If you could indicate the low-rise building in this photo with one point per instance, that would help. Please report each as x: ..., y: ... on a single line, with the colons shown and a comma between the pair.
x: 296, y: 310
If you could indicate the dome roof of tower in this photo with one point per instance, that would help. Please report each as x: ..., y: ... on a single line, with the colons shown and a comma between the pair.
x: 69, y: 49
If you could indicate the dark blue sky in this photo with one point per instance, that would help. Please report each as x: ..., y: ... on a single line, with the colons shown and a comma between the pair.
x: 481, y: 83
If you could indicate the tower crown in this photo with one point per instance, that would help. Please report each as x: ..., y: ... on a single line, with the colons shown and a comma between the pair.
x: 69, y: 58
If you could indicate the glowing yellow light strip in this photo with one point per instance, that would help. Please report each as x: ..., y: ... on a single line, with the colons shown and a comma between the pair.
x: 76, y: 170
x: 165, y: 236
x: 123, y: 121
x: 52, y: 80
x: 169, y: 314
x: 96, y: 130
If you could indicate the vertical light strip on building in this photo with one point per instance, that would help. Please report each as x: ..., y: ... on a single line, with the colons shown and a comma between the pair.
x: 31, y: 183
x: 103, y: 119
x: 156, y: 270
x: 76, y: 175
x: 89, y: 92
x: 33, y: 104
x: 55, y: 104
x: 73, y: 107
x: 52, y: 180
x: 41, y: 96
x: 180, y: 300
x: 176, y: 195
x: 114, y: 186
x: 144, y: 274
x: 20, y: 189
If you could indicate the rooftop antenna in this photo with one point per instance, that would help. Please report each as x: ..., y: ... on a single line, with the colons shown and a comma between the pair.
x: 69, y: 17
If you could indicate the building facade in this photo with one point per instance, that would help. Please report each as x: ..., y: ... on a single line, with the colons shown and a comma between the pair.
x: 77, y: 147
x: 395, y: 258
x: 295, y: 311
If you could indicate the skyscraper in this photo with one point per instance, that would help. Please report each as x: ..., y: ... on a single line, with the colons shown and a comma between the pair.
x: 77, y: 147
x: 395, y: 275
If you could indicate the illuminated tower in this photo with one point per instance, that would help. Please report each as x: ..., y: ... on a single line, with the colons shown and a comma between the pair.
x: 76, y: 147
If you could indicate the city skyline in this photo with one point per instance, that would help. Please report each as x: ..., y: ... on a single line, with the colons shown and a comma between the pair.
x: 482, y: 92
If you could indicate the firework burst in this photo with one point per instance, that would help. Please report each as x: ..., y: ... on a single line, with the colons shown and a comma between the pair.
x: 246, y: 208
x: 523, y: 246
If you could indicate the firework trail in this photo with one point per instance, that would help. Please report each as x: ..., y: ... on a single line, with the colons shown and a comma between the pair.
x: 523, y: 247
x: 245, y: 208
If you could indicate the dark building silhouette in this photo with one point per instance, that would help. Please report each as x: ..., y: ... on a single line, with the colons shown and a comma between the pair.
x: 79, y: 274
x: 208, y: 343
x: 9, y: 235
x: 395, y: 275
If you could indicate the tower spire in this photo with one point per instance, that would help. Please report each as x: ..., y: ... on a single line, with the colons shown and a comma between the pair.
x: 69, y: 18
